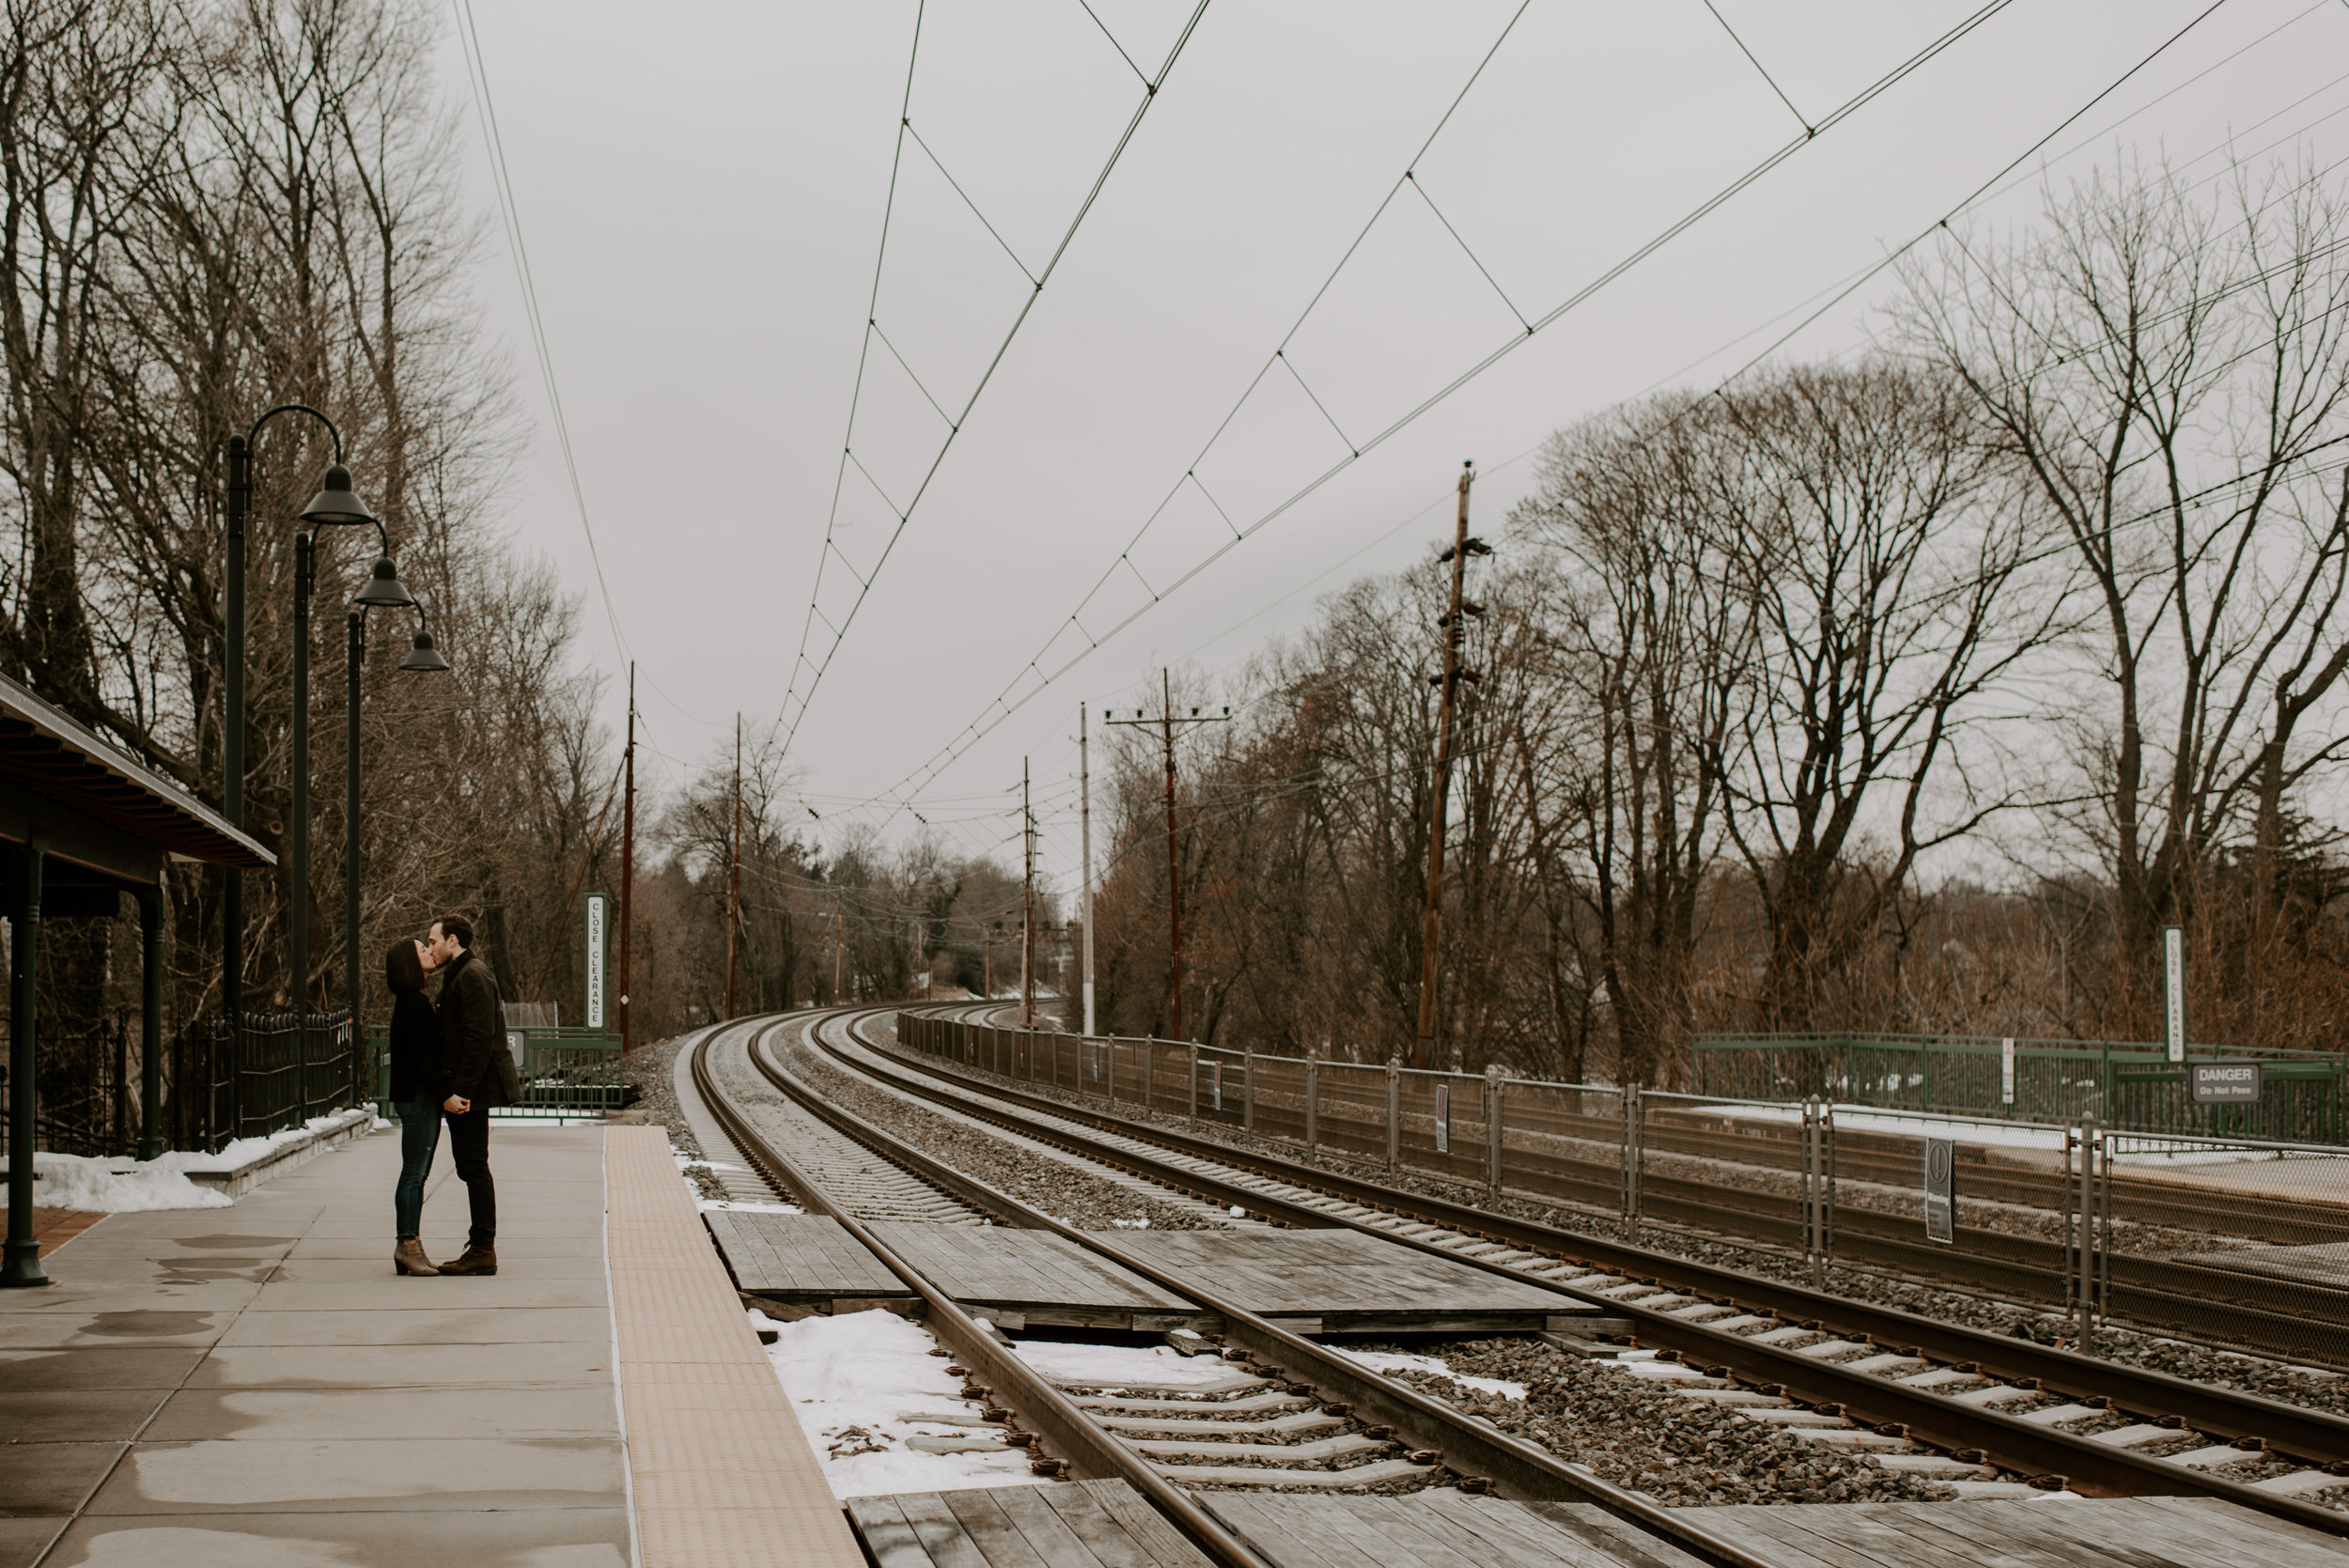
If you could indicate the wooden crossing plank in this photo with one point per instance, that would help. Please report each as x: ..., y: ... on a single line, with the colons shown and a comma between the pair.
x: 887, y: 1536
x: 2099, y: 1532
x: 992, y: 1531
x: 1999, y: 1536
x: 2210, y: 1514
x: 1347, y: 1278
x: 1512, y: 1534
x: 997, y: 1265
x: 940, y: 1531
x: 1594, y: 1525
x: 1145, y: 1525
x: 2241, y: 1539
x: 1091, y: 1524
x: 796, y: 1256
x: 1102, y: 1535
x: 1431, y: 1530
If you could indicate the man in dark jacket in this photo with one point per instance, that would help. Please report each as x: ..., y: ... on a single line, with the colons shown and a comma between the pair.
x: 476, y: 1069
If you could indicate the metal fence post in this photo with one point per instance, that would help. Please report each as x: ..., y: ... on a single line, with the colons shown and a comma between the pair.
x: 1149, y: 1050
x: 2088, y: 1216
x: 1247, y: 1089
x: 1394, y: 1110
x: 1632, y: 1159
x: 1494, y: 1084
x: 1194, y: 1079
x: 1312, y: 1100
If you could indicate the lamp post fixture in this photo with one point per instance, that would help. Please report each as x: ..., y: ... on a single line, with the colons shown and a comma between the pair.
x: 334, y: 506
x: 384, y: 591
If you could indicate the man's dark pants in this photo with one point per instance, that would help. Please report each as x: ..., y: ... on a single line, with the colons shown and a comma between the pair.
x: 469, y: 1143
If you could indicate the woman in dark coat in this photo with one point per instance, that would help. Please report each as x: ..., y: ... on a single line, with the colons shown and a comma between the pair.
x: 416, y: 1094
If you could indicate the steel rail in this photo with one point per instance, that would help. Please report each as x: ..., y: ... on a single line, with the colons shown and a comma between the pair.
x: 1515, y: 1467
x: 2313, y: 1436
x: 1040, y: 1407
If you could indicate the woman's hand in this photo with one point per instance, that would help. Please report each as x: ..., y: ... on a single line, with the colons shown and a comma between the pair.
x: 456, y: 1105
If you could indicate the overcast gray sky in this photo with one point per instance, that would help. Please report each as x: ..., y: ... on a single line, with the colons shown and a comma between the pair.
x: 701, y: 190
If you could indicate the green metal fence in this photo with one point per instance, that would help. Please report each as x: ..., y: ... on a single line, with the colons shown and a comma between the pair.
x: 2127, y: 1084
x: 565, y: 1071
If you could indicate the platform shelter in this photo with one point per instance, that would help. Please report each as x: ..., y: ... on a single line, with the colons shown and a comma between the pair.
x: 83, y: 822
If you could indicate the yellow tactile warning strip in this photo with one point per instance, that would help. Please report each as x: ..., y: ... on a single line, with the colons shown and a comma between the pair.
x: 724, y: 1476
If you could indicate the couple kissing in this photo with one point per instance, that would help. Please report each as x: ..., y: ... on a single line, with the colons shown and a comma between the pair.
x: 449, y: 1063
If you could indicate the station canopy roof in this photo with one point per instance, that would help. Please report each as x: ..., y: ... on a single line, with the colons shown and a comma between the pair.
x: 50, y: 758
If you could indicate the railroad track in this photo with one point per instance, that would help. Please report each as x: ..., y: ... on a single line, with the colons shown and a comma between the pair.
x: 1285, y: 1398
x: 1968, y: 1394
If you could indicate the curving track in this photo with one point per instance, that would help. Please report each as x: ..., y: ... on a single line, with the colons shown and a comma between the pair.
x: 1904, y: 1376
x: 1267, y: 1403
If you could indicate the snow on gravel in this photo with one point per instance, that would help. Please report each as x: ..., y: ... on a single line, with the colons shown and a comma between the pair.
x: 864, y: 1383
x: 1397, y: 1360
x: 1111, y: 1366
x: 745, y: 1205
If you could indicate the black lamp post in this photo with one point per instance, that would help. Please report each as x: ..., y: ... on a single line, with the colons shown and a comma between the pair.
x: 384, y: 591
x: 334, y: 506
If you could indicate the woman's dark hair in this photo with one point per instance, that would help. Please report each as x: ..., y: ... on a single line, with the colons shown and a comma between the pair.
x: 402, y: 970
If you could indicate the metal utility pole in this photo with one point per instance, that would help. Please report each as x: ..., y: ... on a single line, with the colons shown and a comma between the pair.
x: 734, y: 872
x: 1027, y: 904
x: 627, y: 850
x: 839, y: 918
x: 1455, y: 635
x: 1084, y: 821
x: 1166, y: 722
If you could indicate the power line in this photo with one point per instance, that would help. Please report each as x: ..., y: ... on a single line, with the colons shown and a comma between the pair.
x: 813, y: 670
x: 1005, y: 704
x: 484, y: 107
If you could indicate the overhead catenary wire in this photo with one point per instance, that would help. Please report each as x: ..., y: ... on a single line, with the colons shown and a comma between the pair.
x: 807, y: 674
x: 1032, y: 673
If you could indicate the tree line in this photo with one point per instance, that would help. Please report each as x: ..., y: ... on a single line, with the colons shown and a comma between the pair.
x: 1911, y: 691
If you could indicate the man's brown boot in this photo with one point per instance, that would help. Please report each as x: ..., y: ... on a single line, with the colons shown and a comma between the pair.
x: 478, y: 1260
x: 408, y: 1258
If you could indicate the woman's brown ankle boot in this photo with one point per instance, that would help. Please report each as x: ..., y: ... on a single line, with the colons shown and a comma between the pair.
x: 408, y: 1258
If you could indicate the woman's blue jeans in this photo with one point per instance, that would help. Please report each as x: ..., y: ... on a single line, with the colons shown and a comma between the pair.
x: 419, y: 1134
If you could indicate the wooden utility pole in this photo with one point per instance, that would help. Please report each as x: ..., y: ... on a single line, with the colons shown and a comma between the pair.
x: 1166, y: 722
x: 1027, y: 904
x: 1455, y: 635
x: 628, y: 851
x: 734, y: 872
x: 1084, y: 820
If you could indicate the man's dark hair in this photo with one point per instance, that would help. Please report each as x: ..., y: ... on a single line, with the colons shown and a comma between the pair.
x: 402, y: 970
x: 458, y: 926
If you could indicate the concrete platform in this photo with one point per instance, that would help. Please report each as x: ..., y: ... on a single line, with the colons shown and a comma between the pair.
x: 722, y: 1471
x: 253, y: 1385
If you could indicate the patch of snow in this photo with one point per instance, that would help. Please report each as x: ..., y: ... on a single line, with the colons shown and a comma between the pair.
x: 1397, y: 1360
x: 245, y: 1150
x: 1109, y: 1366
x: 861, y: 1383
x: 118, y: 1186
x: 746, y: 1206
x: 121, y: 1185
